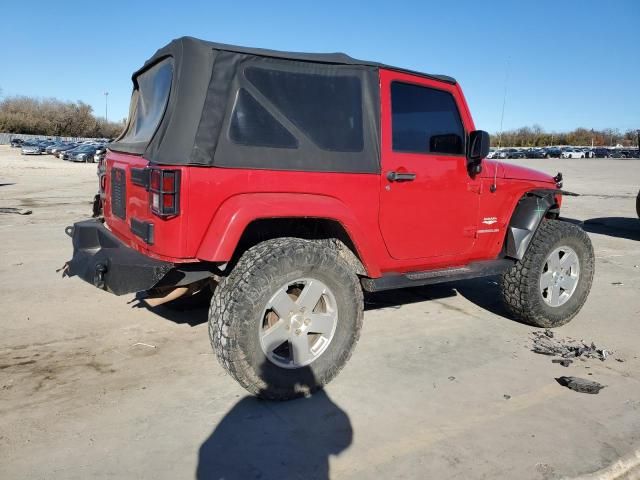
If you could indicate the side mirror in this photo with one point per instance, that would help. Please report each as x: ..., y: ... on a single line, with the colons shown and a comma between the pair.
x: 478, y: 148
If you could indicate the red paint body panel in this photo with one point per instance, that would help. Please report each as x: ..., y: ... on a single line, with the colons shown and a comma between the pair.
x: 443, y: 218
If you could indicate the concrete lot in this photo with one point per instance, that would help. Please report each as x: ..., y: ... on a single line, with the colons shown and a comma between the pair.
x: 91, y: 387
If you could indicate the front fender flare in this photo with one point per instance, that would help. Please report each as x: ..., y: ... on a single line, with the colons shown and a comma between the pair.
x: 526, y: 218
x: 237, y: 212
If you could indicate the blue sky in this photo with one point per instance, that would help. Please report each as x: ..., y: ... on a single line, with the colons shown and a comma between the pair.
x: 572, y: 63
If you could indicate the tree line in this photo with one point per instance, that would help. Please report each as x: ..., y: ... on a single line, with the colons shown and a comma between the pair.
x: 53, y: 117
x: 535, y: 136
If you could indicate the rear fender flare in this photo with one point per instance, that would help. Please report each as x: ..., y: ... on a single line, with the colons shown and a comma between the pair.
x: 236, y: 213
x: 529, y: 212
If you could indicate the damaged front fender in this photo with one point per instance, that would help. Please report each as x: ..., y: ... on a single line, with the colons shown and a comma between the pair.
x: 526, y: 218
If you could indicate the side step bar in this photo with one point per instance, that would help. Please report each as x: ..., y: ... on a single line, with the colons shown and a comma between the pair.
x: 430, y: 277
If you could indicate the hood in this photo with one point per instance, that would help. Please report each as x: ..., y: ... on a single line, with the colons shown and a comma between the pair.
x: 517, y: 172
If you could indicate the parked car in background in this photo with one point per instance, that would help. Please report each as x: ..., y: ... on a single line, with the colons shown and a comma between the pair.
x: 630, y: 153
x: 601, y: 152
x: 492, y: 153
x: 83, y: 153
x: 510, y: 153
x: 587, y: 152
x: 16, y: 142
x: 29, y: 148
x: 43, y: 144
x: 534, y: 153
x: 51, y: 149
x: 64, y: 148
x: 552, y: 152
x: 573, y: 153
x: 101, y: 152
x: 624, y: 153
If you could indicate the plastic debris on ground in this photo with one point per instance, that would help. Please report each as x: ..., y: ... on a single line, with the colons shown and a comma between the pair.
x: 17, y: 211
x: 545, y: 343
x: 580, y: 385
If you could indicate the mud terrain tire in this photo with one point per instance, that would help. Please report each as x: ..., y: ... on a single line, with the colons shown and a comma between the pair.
x: 237, y: 314
x: 521, y: 285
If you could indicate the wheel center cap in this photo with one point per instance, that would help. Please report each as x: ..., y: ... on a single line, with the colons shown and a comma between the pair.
x: 299, y: 323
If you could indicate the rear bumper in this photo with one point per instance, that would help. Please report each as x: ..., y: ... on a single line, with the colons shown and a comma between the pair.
x: 102, y: 260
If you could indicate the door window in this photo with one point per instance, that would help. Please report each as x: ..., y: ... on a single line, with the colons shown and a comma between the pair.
x: 425, y: 120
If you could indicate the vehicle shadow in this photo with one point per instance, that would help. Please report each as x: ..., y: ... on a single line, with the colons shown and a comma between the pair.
x: 276, y: 440
x: 483, y: 292
x: 619, y: 227
x: 406, y: 296
x: 192, y: 316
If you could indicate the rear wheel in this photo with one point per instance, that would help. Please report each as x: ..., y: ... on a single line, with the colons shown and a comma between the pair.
x: 549, y: 286
x: 287, y: 318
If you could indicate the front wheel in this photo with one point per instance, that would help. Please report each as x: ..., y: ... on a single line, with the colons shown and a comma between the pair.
x: 287, y: 318
x: 549, y: 286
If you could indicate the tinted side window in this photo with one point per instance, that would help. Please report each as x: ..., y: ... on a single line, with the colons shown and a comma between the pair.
x: 326, y: 108
x: 425, y: 120
x: 251, y: 124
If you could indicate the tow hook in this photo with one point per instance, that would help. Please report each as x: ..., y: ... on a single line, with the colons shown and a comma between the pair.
x: 98, y: 278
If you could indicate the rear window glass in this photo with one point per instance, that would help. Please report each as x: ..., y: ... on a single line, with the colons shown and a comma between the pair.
x: 149, y: 101
x: 425, y: 120
x: 325, y: 108
x: 252, y: 124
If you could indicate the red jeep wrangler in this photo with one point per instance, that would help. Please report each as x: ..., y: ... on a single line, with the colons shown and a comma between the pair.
x: 290, y: 182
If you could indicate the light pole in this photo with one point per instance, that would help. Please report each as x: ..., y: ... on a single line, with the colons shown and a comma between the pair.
x: 106, y: 107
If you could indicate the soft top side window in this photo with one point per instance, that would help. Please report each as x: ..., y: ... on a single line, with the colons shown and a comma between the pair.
x: 148, y: 102
x: 324, y: 107
x: 425, y: 120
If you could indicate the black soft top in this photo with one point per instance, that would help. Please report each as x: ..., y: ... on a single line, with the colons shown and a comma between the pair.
x: 212, y: 96
x: 337, y: 58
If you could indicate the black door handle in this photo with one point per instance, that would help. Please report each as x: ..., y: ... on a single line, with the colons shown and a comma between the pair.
x: 401, y: 177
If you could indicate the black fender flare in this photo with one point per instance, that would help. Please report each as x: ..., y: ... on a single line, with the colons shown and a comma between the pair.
x: 529, y: 212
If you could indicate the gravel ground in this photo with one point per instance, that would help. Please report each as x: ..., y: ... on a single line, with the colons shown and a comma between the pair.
x: 442, y: 384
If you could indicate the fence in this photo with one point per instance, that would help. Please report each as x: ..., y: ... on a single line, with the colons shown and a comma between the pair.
x: 5, y: 138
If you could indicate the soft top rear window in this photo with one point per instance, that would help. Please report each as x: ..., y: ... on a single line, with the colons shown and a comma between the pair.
x: 148, y: 102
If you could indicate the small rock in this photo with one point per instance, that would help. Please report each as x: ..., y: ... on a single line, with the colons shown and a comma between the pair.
x: 580, y: 384
x: 506, y: 397
x: 452, y: 378
x: 617, y: 284
x: 565, y: 362
x: 548, y: 333
x: 621, y: 360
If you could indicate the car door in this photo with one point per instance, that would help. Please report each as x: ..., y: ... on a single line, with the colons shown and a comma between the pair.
x: 428, y: 201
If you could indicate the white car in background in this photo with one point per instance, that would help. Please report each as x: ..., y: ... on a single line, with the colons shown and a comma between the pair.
x: 573, y: 153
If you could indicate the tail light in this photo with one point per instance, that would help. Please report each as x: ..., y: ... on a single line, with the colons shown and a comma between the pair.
x: 164, y: 192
